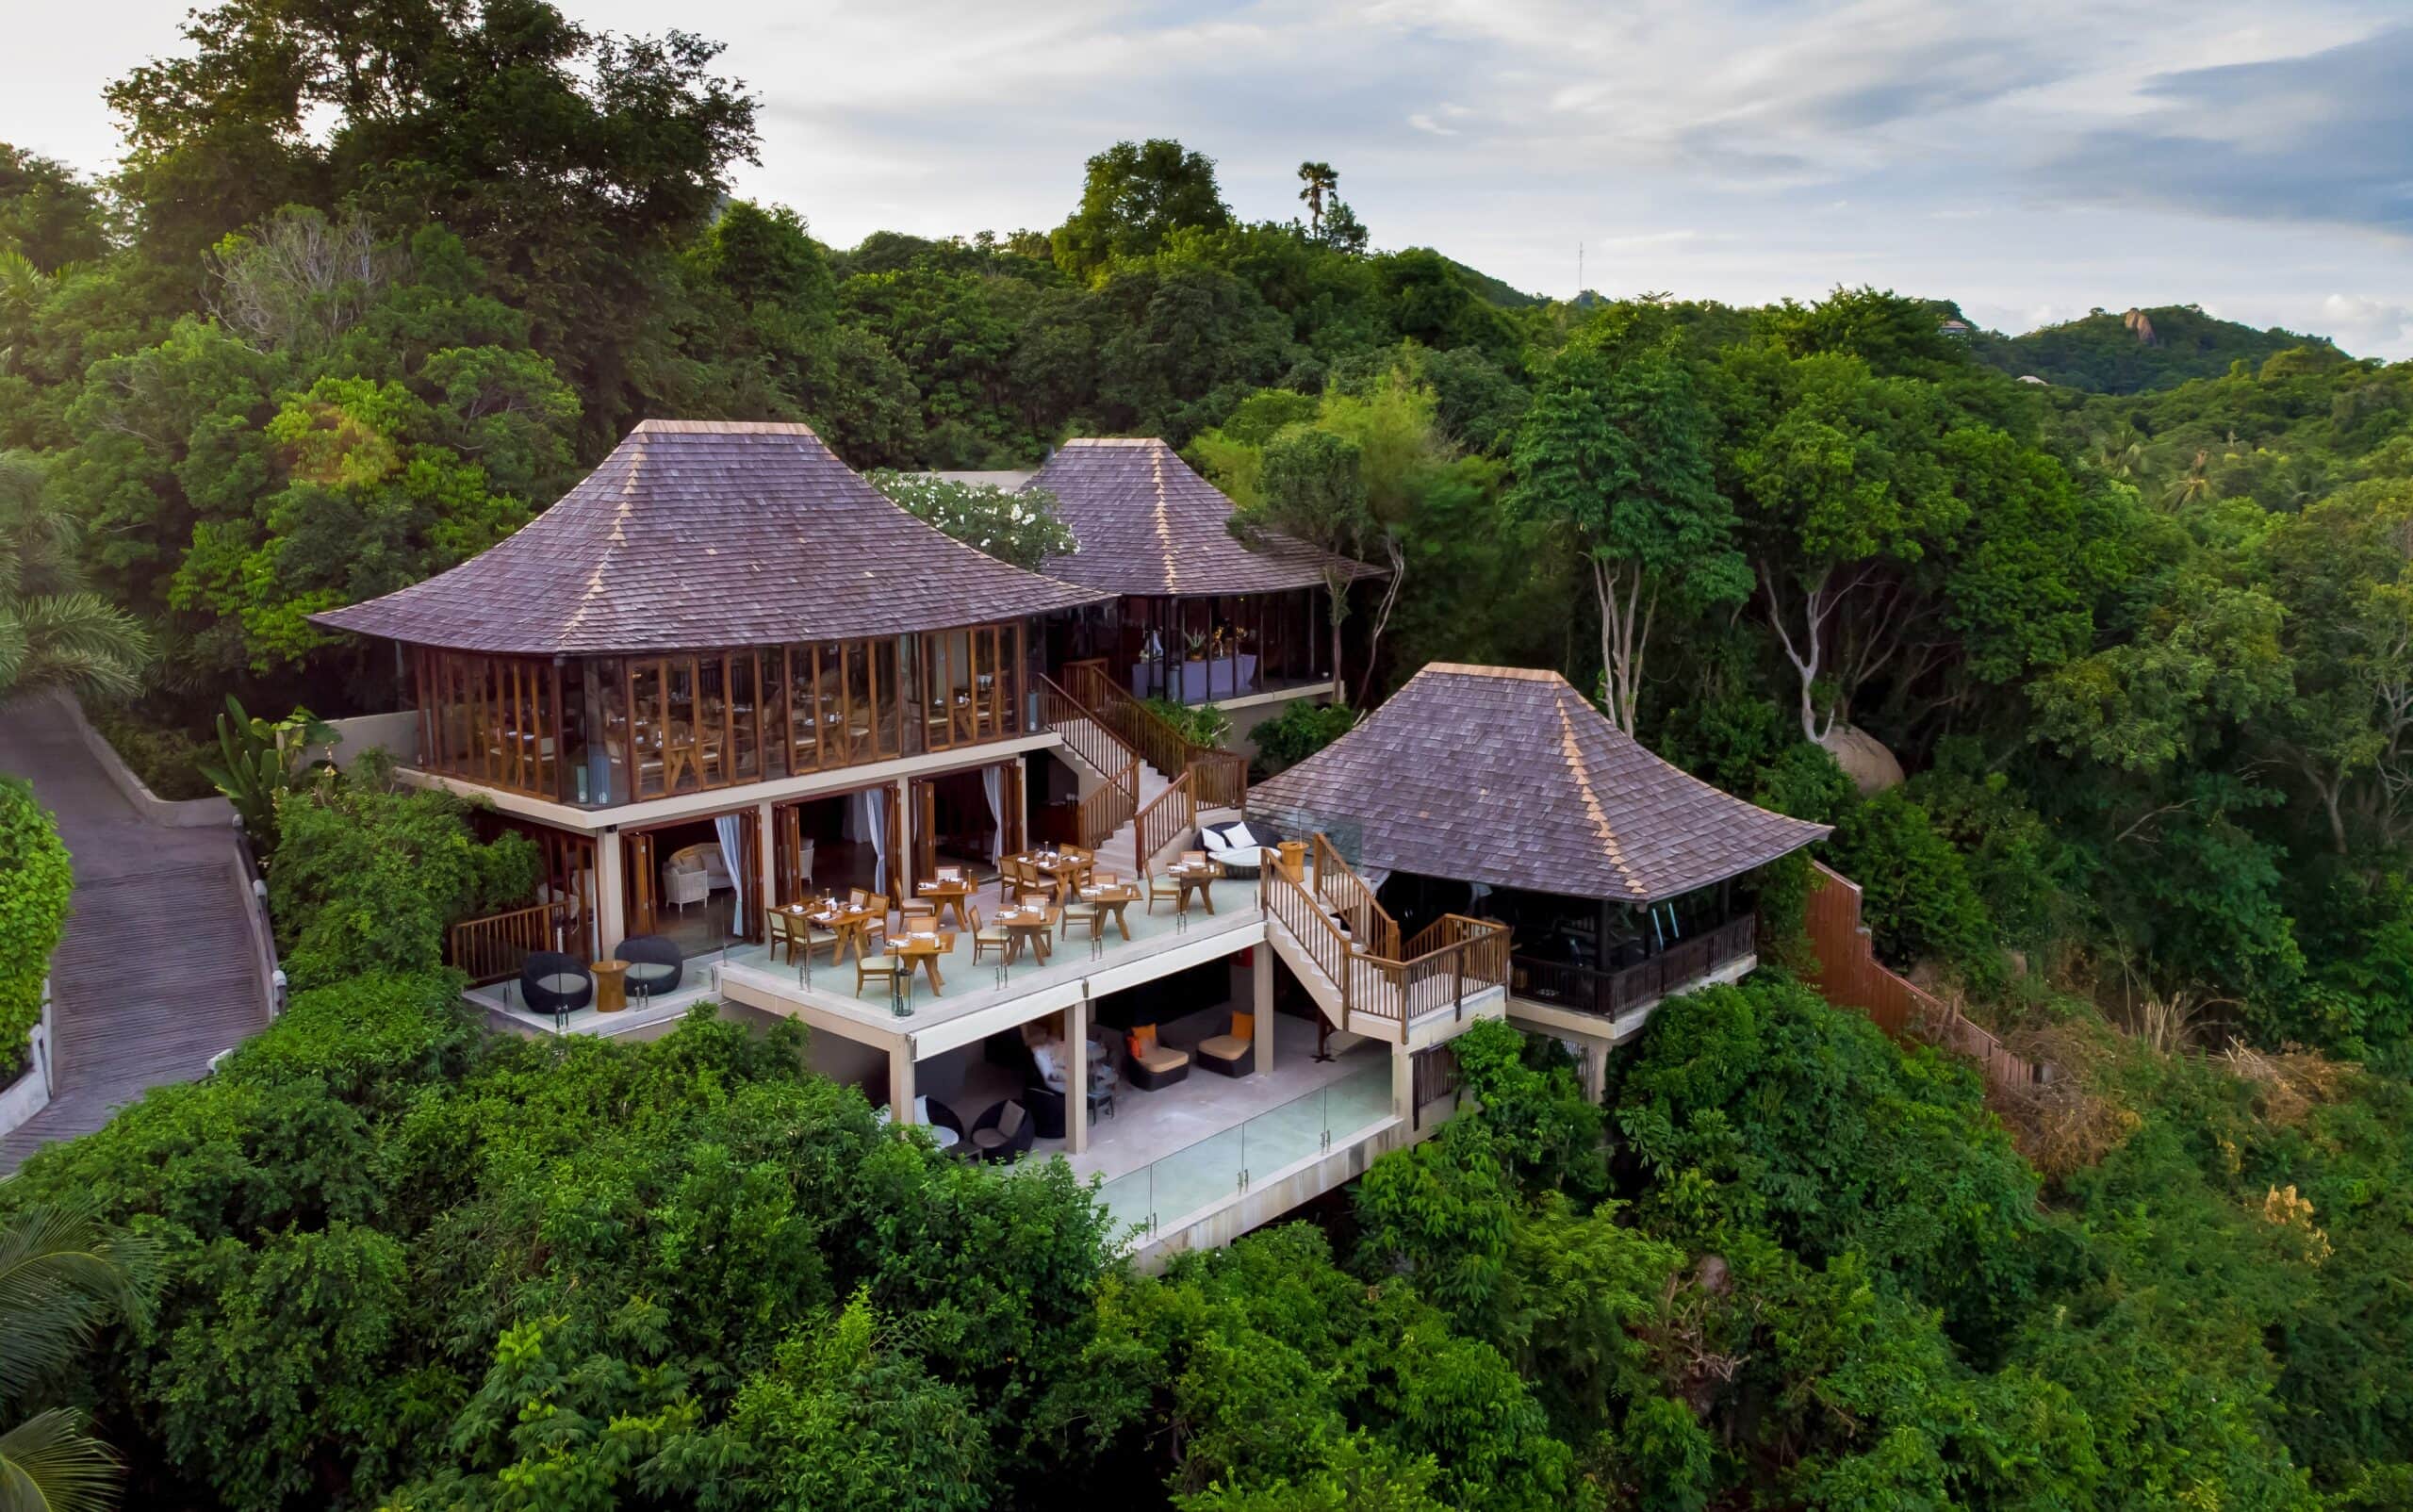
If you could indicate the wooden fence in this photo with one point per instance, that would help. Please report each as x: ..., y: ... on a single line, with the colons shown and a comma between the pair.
x: 1850, y: 975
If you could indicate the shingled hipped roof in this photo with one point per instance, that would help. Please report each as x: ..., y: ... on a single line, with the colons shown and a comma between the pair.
x: 1147, y: 524
x: 1511, y: 778
x: 698, y: 533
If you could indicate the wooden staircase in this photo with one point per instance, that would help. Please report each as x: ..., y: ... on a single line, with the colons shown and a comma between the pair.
x: 1346, y: 951
x: 1136, y: 814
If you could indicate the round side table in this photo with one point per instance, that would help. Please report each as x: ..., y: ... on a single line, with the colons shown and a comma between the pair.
x: 611, y: 986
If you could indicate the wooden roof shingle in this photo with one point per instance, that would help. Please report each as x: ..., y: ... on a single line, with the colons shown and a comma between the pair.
x: 708, y: 533
x: 1511, y: 778
x: 1148, y: 524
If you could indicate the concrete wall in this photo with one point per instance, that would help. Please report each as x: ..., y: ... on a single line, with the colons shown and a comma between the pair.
x: 188, y: 813
x: 396, y: 733
x: 30, y: 1093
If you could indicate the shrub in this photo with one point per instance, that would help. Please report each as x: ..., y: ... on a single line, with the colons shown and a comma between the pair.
x: 1298, y: 733
x: 1201, y: 724
x: 35, y: 879
x: 366, y: 881
x: 1916, y: 887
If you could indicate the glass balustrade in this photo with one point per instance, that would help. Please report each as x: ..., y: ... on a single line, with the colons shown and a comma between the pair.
x: 1157, y: 1196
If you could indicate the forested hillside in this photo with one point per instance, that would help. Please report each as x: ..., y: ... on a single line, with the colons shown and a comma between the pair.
x: 2137, y: 350
x: 370, y: 290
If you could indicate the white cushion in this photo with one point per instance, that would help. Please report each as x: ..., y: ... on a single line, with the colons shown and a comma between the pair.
x: 1010, y: 1122
x: 1238, y: 837
x: 922, y: 1111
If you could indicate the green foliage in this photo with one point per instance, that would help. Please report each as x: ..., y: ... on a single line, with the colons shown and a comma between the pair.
x: 1201, y: 724
x: 54, y: 633
x: 1019, y: 527
x: 1298, y: 733
x: 262, y: 763
x: 366, y: 881
x: 35, y: 879
x: 1760, y: 1106
x: 2110, y: 354
x: 1134, y: 197
x: 1915, y: 889
x: 61, y: 1275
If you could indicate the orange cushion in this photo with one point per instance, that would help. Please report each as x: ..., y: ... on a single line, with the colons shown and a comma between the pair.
x: 1243, y: 1027
x: 1141, y: 1040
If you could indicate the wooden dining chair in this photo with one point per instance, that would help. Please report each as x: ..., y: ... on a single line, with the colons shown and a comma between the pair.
x: 884, y: 968
x: 1163, y: 890
x: 994, y: 937
x: 782, y: 935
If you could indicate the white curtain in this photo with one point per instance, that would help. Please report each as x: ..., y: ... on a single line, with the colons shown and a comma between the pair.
x: 732, y: 856
x: 868, y: 819
x: 994, y: 780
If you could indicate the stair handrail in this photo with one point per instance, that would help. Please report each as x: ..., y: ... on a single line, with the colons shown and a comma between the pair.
x: 1114, y: 802
x: 1337, y: 884
x: 1171, y: 812
x: 1446, y: 959
x: 1222, y: 775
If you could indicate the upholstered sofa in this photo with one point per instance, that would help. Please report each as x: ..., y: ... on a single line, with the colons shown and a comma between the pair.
x: 1239, y: 848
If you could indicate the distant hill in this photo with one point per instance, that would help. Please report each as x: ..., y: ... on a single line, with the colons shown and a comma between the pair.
x: 1493, y: 289
x: 2136, y: 351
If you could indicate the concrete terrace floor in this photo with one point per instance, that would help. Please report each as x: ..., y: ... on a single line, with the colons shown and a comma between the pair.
x: 1181, y: 1148
x: 967, y: 987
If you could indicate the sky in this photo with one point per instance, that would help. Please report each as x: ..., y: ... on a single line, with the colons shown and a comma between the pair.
x: 2030, y: 158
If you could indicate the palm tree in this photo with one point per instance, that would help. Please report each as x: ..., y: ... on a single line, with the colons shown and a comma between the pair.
x: 52, y: 631
x: 2196, y: 485
x: 62, y: 1274
x: 1321, y: 182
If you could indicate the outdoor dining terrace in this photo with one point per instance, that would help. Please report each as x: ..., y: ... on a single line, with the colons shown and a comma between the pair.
x: 952, y: 973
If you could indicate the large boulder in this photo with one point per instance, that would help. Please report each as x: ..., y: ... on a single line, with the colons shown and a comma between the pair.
x: 1864, y: 758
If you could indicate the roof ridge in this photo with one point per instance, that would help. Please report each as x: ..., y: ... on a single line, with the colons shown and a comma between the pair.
x: 724, y: 428
x: 1164, y: 521
x: 1526, y: 674
x: 616, y: 536
x: 1115, y: 440
x: 1572, y: 753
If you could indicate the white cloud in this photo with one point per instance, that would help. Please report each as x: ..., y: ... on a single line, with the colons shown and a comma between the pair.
x: 1425, y: 123
x: 2359, y: 323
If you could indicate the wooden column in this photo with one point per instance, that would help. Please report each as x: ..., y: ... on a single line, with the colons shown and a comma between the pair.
x: 1260, y: 970
x: 1076, y: 1078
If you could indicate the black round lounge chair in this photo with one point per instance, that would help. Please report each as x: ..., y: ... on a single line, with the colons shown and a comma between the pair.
x: 552, y: 982
x: 655, y: 965
x: 1010, y: 1146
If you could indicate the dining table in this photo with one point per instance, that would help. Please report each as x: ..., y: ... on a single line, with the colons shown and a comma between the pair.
x: 922, y: 949
x: 1029, y: 924
x: 1198, y: 877
x: 843, y: 921
x: 947, y: 892
x: 1065, y: 867
x: 1112, y: 900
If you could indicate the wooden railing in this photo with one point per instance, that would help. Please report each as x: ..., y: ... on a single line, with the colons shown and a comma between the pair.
x: 496, y: 947
x: 1169, y: 816
x: 1850, y: 975
x: 1345, y: 892
x: 1218, y: 778
x: 1467, y: 957
x: 1623, y: 988
x: 1116, y: 801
